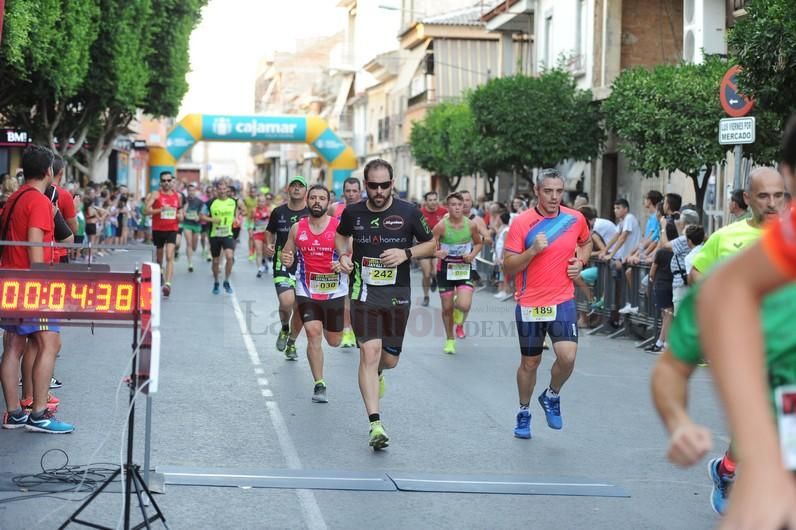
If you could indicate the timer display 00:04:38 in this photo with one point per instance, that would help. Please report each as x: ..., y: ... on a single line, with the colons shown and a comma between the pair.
x: 67, y: 295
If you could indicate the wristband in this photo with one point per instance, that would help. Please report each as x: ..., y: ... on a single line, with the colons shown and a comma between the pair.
x: 408, y: 253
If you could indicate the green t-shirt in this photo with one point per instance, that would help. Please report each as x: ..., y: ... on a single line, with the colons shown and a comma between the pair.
x: 224, y: 210
x: 724, y: 243
x: 776, y: 315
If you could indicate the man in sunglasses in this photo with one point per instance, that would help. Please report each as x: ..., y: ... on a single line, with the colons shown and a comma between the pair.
x: 165, y: 207
x: 383, y: 230
x: 276, y: 233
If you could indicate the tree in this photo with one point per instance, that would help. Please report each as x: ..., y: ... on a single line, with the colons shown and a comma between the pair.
x: 667, y: 119
x: 764, y: 44
x: 445, y: 142
x: 534, y: 122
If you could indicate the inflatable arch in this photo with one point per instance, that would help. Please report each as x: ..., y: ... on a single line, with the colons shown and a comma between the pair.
x: 312, y: 130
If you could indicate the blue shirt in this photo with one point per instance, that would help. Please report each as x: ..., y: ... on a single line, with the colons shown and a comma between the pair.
x: 653, y: 229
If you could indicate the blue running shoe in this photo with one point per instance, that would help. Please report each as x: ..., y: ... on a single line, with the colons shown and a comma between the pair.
x: 552, y: 410
x: 216, y: 290
x: 227, y: 287
x: 11, y: 421
x: 721, y: 487
x: 523, y: 428
x: 47, y: 423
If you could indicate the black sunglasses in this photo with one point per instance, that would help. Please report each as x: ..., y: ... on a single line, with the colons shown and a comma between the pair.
x: 377, y: 185
x: 165, y: 180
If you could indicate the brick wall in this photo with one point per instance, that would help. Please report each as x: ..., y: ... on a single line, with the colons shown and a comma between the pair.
x: 652, y: 32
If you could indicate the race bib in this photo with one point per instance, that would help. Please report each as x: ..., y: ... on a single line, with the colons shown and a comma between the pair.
x: 222, y: 231
x: 260, y: 226
x: 785, y: 399
x: 191, y: 215
x: 324, y: 283
x: 458, y: 271
x: 539, y: 314
x: 375, y: 272
x: 168, y: 213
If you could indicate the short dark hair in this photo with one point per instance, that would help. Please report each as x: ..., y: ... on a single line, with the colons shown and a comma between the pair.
x: 695, y: 234
x: 429, y: 193
x: 58, y: 164
x: 789, y: 144
x: 588, y: 212
x: 671, y: 231
x: 352, y: 180
x: 737, y: 196
x: 377, y: 163
x: 505, y: 217
x: 622, y: 202
x: 319, y: 187
x: 675, y: 201
x: 455, y: 195
x: 36, y: 160
x: 654, y: 196
x: 166, y: 173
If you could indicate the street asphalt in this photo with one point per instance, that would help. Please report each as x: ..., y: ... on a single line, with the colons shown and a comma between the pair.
x: 229, y: 400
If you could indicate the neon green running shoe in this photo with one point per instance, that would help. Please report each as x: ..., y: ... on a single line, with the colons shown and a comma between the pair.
x: 281, y: 340
x: 290, y: 352
x: 458, y: 316
x: 450, y: 346
x: 378, y: 438
x: 349, y: 340
x: 382, y: 386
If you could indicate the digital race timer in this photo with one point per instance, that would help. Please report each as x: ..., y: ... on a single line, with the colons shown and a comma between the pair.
x: 71, y: 294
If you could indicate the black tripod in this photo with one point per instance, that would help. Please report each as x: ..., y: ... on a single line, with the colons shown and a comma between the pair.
x: 132, y: 474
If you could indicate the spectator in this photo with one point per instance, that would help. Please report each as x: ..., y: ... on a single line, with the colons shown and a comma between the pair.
x: 739, y: 210
x: 581, y: 199
x: 661, y: 280
x: 627, y: 238
x: 504, y: 285
x: 680, y: 248
x: 603, y: 231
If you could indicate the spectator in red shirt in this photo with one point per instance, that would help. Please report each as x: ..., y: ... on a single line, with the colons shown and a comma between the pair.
x: 28, y: 216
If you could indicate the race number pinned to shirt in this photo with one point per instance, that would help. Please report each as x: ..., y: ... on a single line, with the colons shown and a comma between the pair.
x: 168, y: 213
x: 785, y: 397
x: 458, y: 271
x: 324, y: 283
x: 260, y: 225
x: 191, y: 215
x: 539, y: 314
x: 375, y: 272
x: 222, y: 230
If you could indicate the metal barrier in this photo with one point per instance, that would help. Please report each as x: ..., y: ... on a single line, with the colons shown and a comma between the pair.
x: 485, y: 267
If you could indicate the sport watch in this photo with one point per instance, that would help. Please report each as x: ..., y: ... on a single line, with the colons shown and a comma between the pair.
x: 408, y: 253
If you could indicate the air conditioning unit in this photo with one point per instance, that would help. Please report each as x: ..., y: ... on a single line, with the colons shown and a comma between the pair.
x: 704, y: 29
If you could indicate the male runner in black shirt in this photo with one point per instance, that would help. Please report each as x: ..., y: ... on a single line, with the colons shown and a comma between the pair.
x: 383, y: 229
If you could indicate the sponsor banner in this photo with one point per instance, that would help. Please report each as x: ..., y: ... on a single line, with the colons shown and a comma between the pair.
x: 328, y: 145
x: 254, y: 128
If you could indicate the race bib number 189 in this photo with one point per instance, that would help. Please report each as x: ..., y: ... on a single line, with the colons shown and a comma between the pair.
x: 539, y: 314
x: 375, y: 272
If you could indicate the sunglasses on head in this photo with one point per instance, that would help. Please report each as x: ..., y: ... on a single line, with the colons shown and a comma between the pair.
x: 376, y: 185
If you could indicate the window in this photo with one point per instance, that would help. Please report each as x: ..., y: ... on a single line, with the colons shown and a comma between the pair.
x: 548, y: 41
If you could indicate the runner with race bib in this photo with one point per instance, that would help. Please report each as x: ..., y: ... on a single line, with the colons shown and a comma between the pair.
x: 221, y: 212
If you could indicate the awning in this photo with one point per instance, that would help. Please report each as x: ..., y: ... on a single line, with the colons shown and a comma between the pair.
x: 574, y: 175
x: 342, y: 95
x: 411, y: 63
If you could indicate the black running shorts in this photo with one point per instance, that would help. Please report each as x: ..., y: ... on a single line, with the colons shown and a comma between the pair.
x: 329, y: 312
x: 163, y: 237
x: 387, y: 324
x: 218, y: 243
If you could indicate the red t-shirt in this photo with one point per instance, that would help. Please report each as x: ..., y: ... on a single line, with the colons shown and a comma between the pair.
x: 171, y: 202
x: 432, y: 218
x: 545, y: 282
x: 779, y: 244
x: 66, y: 204
x: 33, y: 210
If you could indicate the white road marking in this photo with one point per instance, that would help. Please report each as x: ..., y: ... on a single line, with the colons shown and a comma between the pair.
x: 225, y: 475
x: 267, y: 393
x: 262, y: 381
x: 309, y: 506
x: 259, y: 371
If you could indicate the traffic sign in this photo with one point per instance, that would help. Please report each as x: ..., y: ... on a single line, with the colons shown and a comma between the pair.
x: 733, y: 102
x: 736, y: 131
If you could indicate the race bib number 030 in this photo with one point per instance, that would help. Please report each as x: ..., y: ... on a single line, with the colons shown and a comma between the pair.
x: 324, y: 283
x: 168, y: 213
x: 539, y: 314
x: 785, y: 397
x: 375, y: 272
x: 458, y: 271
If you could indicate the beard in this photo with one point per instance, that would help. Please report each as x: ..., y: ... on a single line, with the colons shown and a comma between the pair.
x: 317, y: 212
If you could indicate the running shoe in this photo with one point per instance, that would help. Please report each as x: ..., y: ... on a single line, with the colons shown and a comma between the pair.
x: 349, y: 340
x: 15, y: 422
x: 54, y: 383
x: 216, y: 289
x: 378, y: 438
x: 290, y: 352
x: 227, y: 287
x: 260, y: 271
x: 319, y: 394
x: 460, y: 331
x: 523, y: 428
x: 252, y: 257
x: 425, y: 301
x: 48, y: 423
x: 190, y: 267
x: 166, y: 289
x: 552, y: 410
x: 52, y: 403
x: 450, y: 347
x: 458, y: 315
x: 721, y: 486
x: 382, y: 386
x: 433, y: 284
x: 654, y: 349
x: 281, y: 340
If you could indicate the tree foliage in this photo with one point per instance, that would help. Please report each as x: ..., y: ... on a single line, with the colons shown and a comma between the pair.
x: 535, y: 122
x: 667, y: 119
x: 764, y: 44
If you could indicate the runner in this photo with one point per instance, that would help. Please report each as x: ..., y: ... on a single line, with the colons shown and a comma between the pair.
x: 191, y: 224
x: 433, y: 213
x: 250, y: 202
x: 282, y: 219
x: 320, y: 288
x: 221, y: 212
x: 546, y: 247
x: 165, y: 207
x: 459, y: 243
x: 352, y: 194
x: 209, y: 195
x: 383, y: 229
x: 260, y: 216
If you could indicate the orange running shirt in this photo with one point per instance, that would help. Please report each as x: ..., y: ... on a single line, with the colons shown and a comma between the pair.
x: 545, y: 282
